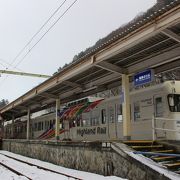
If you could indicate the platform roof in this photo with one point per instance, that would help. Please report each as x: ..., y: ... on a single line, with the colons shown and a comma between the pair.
x: 150, y: 41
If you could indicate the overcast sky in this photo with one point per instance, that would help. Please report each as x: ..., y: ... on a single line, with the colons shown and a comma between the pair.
x: 85, y: 23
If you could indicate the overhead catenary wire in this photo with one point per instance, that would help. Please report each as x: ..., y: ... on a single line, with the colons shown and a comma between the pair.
x: 39, y: 30
x: 8, y: 64
x: 3, y: 65
x: 46, y: 32
x: 31, y: 39
x: 6, y: 68
x: 60, y: 17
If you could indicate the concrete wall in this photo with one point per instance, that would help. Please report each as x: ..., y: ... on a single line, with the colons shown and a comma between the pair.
x: 84, y: 156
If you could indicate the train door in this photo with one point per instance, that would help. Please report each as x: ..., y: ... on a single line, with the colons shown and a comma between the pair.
x: 66, y: 128
x: 111, y: 121
x: 159, y: 113
x: 119, y: 121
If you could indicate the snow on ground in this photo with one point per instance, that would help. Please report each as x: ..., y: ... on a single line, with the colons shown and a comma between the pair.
x: 30, y: 171
x: 6, y: 174
x: 39, y: 174
x: 157, y: 167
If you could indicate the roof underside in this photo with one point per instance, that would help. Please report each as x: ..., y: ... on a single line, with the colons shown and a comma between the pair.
x: 159, y: 50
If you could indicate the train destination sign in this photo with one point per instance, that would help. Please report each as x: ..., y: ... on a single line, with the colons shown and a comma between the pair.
x: 143, y: 77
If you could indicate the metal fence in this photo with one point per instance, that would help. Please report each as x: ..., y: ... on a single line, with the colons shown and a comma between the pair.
x: 155, y: 129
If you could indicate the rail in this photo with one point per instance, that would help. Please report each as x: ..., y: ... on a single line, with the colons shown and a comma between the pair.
x: 154, y: 128
x: 37, y: 166
x: 14, y: 170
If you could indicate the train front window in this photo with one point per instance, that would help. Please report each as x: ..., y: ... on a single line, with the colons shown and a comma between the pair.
x: 174, y: 102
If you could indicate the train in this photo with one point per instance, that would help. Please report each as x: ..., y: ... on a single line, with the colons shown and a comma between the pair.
x: 154, y: 113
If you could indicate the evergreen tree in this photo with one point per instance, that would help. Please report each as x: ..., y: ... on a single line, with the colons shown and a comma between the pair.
x: 3, y: 103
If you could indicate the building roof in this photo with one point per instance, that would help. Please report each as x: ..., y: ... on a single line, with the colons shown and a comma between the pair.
x: 151, y: 14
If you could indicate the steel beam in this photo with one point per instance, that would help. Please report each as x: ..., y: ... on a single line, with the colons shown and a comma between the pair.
x: 139, y: 36
x: 12, y: 127
x: 33, y: 102
x: 171, y: 34
x: 48, y: 95
x: 21, y: 107
x: 168, y: 67
x: 104, y: 80
x: 111, y: 67
x: 28, y: 124
x: 85, y: 94
x: 15, y: 111
x: 70, y: 93
x: 162, y: 58
x: 72, y: 84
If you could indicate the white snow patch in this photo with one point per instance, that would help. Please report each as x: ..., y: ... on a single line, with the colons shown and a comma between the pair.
x: 39, y: 174
x: 157, y: 167
x: 5, y: 174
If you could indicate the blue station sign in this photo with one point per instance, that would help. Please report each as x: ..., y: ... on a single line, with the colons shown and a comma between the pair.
x: 143, y: 77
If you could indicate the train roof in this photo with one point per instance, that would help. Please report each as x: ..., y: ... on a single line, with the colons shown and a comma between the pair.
x: 84, y: 100
x: 166, y: 85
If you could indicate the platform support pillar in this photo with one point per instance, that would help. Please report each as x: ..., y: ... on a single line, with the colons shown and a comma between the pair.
x: 1, y: 127
x: 28, y: 124
x: 12, y: 127
x: 57, y: 119
x: 126, y: 107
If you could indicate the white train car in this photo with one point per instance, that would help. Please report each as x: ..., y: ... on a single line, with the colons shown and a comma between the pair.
x: 105, y: 121
x: 161, y: 101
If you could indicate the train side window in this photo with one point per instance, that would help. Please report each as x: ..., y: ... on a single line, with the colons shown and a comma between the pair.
x: 17, y: 130
x: 103, y: 116
x: 39, y: 126
x: 78, y: 120
x: 25, y: 127
x: 137, y: 114
x: 42, y: 125
x: 21, y: 130
x: 45, y: 124
x: 158, y: 107
x: 36, y: 126
x: 86, y: 122
x: 111, y: 114
x: 51, y: 124
x: 119, y: 113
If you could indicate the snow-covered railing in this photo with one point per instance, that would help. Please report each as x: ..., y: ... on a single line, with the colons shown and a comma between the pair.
x: 154, y: 128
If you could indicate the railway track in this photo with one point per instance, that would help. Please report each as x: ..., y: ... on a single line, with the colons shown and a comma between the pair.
x: 167, y: 157
x: 34, y: 165
x: 14, y: 170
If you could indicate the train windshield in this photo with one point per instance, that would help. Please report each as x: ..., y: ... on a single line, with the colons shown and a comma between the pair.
x: 174, y: 102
